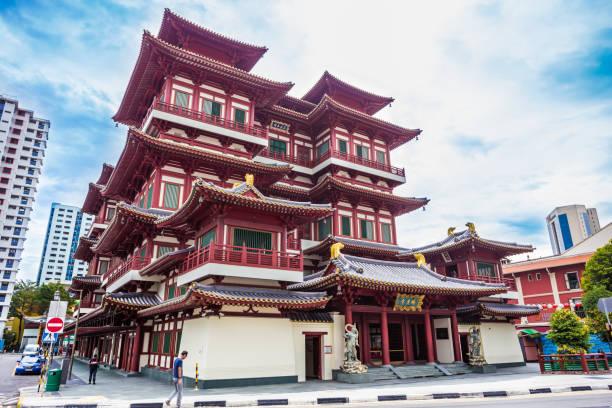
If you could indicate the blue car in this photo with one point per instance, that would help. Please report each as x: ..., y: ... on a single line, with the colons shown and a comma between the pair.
x: 29, y: 365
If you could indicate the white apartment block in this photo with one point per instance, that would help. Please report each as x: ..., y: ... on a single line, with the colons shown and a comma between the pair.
x: 66, y: 225
x: 570, y: 225
x: 23, y: 140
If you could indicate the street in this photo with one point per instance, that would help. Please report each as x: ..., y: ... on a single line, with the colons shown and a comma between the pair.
x: 9, y: 383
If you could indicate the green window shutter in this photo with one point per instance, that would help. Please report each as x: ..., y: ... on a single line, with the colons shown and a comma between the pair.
x: 183, y: 290
x: 386, y: 232
x: 103, y: 267
x: 239, y: 116
x: 181, y: 99
x: 362, y: 152
x: 278, y: 146
x: 166, y: 346
x: 367, y: 231
x: 155, y: 343
x: 252, y: 239
x: 322, y: 149
x: 171, y: 196
x: 380, y: 157
x: 207, y: 238
x: 178, y: 341
x: 485, y: 269
x: 106, y: 344
x: 207, y: 106
x: 324, y: 227
x: 149, y: 197
x: 342, y: 146
x: 143, y: 251
x: 141, y: 204
x: 171, y: 292
x: 346, y: 226
x: 216, y: 109
x: 163, y: 250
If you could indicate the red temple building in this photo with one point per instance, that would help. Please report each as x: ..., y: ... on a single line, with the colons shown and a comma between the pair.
x: 249, y: 226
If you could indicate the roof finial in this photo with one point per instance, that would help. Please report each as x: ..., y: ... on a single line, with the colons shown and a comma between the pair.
x: 471, y: 226
x: 249, y: 178
x: 420, y: 259
x: 451, y: 231
x: 335, y: 249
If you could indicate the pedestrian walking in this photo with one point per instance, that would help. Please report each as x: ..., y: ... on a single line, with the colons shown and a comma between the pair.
x: 93, y: 368
x: 177, y: 379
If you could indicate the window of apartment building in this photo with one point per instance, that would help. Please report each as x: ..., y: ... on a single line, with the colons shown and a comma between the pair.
x: 28, y: 181
x: 24, y: 201
x: 9, y: 160
x: 322, y: 149
x: 32, y: 162
x: 26, y: 191
x: 16, y: 132
x: 31, y: 171
x: 485, y: 269
x: 572, y: 281
x: 362, y: 151
x: 342, y: 146
x: 239, y: 116
x: 41, y: 125
x: 181, y: 99
x: 529, y: 277
x: 367, y: 229
x: 34, y: 152
x: 4, y: 180
x: 386, y: 232
x: 15, y: 241
x: 211, y: 107
x: 11, y: 150
x: 6, y: 170
x: 324, y: 227
x: 538, y: 276
x: 345, y: 223
x: 171, y: 195
x: 9, y: 263
x: 19, y: 122
x: 7, y: 275
x: 380, y: 157
x: 21, y: 112
x: 278, y: 146
x: 2, y: 190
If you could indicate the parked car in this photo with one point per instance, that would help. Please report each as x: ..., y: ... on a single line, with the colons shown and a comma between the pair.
x: 29, y: 365
x: 31, y: 350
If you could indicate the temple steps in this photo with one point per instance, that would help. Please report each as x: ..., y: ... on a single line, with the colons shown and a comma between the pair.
x: 417, y: 371
x: 458, y: 368
x: 381, y: 374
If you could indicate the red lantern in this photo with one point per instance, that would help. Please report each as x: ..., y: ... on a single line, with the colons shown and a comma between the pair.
x: 578, y: 304
x: 566, y: 305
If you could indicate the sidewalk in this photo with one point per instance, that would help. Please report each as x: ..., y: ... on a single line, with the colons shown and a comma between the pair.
x: 114, y: 390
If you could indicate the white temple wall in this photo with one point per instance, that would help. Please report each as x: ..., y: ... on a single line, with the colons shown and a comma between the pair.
x: 500, y: 343
x: 239, y: 347
x: 444, y: 347
x: 299, y: 339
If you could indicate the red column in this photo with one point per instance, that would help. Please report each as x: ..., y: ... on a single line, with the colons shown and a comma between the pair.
x: 471, y: 270
x: 366, y: 336
x: 428, y: 336
x: 348, y: 313
x: 455, y: 331
x: 335, y: 222
x: 220, y: 239
x: 408, y: 327
x: 283, y: 243
x: 136, y: 350
x: 384, y: 331
x: 355, y: 232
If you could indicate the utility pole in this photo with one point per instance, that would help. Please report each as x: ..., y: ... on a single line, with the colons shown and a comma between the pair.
x: 76, y: 330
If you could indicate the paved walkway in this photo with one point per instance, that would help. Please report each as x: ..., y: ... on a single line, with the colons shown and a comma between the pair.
x: 515, y: 380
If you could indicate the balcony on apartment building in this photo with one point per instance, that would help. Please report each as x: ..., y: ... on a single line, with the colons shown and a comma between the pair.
x: 205, y: 121
x: 333, y: 154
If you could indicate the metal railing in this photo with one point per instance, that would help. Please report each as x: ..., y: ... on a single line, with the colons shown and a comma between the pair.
x: 575, y: 363
x: 252, y: 130
x: 118, y: 270
x: 508, y: 282
x: 301, y: 161
x: 237, y: 255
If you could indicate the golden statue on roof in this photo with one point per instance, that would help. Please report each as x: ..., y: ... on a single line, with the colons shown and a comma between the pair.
x: 420, y: 259
x: 335, y: 249
x: 451, y: 231
x: 249, y: 179
x: 471, y: 226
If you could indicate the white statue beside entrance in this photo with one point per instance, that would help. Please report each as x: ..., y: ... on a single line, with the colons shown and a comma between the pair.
x: 351, y: 364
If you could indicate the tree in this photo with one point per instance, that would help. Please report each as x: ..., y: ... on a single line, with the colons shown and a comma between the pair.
x: 568, y: 333
x: 598, y: 269
x: 46, y: 292
x: 591, y: 296
x: 23, y: 301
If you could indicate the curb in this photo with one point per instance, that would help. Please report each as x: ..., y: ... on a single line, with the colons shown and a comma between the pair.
x: 336, y: 400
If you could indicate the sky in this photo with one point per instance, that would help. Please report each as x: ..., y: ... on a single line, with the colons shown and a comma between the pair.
x: 514, y: 98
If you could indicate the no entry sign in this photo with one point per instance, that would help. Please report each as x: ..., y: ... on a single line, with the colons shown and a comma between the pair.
x: 55, y: 325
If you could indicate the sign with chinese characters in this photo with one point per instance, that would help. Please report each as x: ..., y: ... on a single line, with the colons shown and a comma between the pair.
x: 409, y: 303
x: 276, y: 125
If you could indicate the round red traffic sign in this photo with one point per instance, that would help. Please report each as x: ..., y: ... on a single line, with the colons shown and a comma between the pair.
x: 55, y: 324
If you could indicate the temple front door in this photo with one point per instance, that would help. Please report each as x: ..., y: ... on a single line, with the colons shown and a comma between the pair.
x: 396, y: 343
x: 313, y: 357
x: 419, y: 343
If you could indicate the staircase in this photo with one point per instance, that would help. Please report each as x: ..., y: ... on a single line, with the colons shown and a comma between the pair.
x: 381, y: 374
x: 417, y: 371
x: 458, y: 368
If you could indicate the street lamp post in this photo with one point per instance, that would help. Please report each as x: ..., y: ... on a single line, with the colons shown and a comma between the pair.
x: 76, y: 329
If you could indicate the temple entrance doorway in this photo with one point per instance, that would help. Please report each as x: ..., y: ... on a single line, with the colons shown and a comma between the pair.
x: 419, y: 345
x: 396, y: 343
x: 465, y: 348
x: 313, y: 357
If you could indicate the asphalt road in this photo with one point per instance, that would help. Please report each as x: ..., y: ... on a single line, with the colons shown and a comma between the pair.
x: 590, y: 399
x: 9, y: 383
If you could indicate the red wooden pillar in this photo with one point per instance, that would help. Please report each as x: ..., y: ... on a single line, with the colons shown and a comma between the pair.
x: 455, y: 331
x: 408, y: 334
x: 428, y: 336
x: 220, y: 239
x: 335, y: 223
x: 394, y: 233
x: 355, y: 233
x: 470, y: 262
x: 283, y: 243
x: 366, y: 336
x: 348, y: 312
x: 384, y: 332
x: 136, y: 349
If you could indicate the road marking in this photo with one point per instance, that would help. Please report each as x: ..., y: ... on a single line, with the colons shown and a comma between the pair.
x: 14, y: 370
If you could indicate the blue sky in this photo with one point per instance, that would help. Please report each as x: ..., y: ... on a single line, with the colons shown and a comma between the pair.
x: 514, y: 98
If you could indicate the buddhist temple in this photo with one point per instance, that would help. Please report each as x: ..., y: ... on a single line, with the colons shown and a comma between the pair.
x: 251, y: 227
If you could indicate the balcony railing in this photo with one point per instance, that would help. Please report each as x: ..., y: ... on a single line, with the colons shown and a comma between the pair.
x: 237, y: 255
x: 252, y: 130
x: 508, y: 282
x: 135, y: 263
x: 293, y: 243
x: 300, y: 161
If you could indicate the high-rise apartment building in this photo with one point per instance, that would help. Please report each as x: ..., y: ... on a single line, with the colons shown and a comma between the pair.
x: 23, y: 140
x: 66, y: 225
x: 569, y: 225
